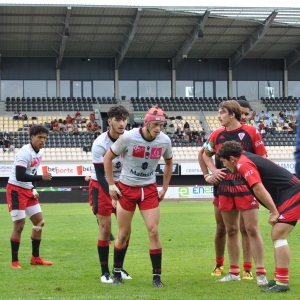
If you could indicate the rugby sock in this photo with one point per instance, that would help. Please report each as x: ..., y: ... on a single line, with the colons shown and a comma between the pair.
x: 235, y: 270
x: 282, y: 276
x: 127, y: 244
x: 35, y: 247
x: 220, y: 261
x: 247, y: 266
x: 103, y: 251
x: 119, y: 255
x: 15, y: 244
x: 156, y: 257
x: 261, y: 270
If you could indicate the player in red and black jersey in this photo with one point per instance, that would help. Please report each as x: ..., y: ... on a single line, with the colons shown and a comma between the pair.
x: 279, y: 191
x: 232, y: 197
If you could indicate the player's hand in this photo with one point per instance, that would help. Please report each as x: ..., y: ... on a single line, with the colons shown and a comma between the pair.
x: 87, y: 178
x: 273, y: 219
x: 161, y: 195
x: 212, y: 180
x: 114, y: 203
x: 47, y: 176
x: 220, y: 174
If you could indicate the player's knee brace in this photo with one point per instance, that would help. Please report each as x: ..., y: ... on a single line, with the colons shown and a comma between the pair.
x: 280, y: 243
x: 39, y: 226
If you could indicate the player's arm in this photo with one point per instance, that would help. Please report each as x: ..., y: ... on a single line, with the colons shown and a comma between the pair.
x: 265, y: 198
x: 166, y: 178
x: 108, y: 167
x: 100, y: 174
x: 21, y: 175
x: 210, y: 179
x: 219, y: 174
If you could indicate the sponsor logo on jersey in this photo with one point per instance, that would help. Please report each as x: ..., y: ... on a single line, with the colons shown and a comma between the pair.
x: 248, y: 173
x: 253, y: 202
x: 155, y: 153
x: 238, y: 166
x: 241, y: 135
x: 281, y: 217
x: 257, y: 143
x: 138, y: 151
x: 222, y: 137
x: 35, y: 161
x: 134, y: 172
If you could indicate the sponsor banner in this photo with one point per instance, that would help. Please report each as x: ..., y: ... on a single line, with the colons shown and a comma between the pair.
x: 189, y: 192
x: 161, y: 167
x: 5, y: 170
x: 190, y: 169
x: 66, y: 170
x: 194, y: 168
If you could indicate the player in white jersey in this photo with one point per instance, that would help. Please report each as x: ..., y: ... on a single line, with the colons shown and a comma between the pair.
x: 22, y: 197
x: 142, y: 148
x: 99, y: 197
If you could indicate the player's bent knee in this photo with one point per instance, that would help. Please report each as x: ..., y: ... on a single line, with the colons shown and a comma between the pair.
x: 280, y: 243
x: 39, y: 226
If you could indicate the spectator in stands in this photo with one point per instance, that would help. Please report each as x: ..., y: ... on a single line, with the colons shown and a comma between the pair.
x: 256, y: 118
x: 69, y: 119
x: 267, y: 115
x: 267, y: 130
x: 294, y: 115
x: 20, y: 115
x: 96, y: 126
x: 263, y: 131
x: 2, y: 144
x: 256, y: 125
x: 15, y: 116
x: 92, y: 117
x: 280, y: 120
x: 25, y: 118
x: 185, y: 139
x: 11, y: 149
x: 268, y: 122
x: 253, y: 115
x: 78, y: 117
x: 89, y: 126
x: 64, y: 126
x: 282, y: 116
x: 75, y: 130
x: 261, y: 125
x: 186, y: 126
x: 55, y: 126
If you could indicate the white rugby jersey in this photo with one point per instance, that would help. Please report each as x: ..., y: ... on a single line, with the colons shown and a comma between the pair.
x: 29, y: 159
x: 141, y: 157
x: 100, y: 146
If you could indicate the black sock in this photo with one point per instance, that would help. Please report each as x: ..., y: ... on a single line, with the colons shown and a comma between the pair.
x: 156, y: 258
x: 35, y: 247
x: 119, y: 256
x: 15, y: 244
x: 103, y: 252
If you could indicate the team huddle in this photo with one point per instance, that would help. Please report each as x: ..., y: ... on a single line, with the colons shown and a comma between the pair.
x: 124, y: 177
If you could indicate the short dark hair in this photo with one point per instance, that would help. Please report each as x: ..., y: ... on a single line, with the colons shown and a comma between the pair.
x: 118, y: 112
x: 36, y: 129
x: 244, y: 103
x: 229, y: 148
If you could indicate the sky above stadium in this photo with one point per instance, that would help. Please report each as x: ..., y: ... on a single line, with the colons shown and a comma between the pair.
x: 210, y: 3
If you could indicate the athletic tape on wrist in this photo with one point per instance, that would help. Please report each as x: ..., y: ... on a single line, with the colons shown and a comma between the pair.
x: 113, y: 187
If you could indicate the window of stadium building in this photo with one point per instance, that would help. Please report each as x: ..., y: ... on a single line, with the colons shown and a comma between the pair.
x: 269, y: 89
x: 249, y: 89
x: 147, y: 89
x: 199, y: 91
x: 164, y: 88
x: 127, y: 88
x: 35, y: 88
x: 65, y: 88
x: 11, y: 88
x: 221, y: 89
x: 103, y: 88
x: 294, y: 88
x: 184, y: 88
x: 51, y: 88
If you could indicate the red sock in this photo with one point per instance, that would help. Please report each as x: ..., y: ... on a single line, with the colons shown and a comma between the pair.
x: 261, y: 270
x: 235, y: 270
x: 247, y: 266
x: 282, y: 275
x: 220, y: 261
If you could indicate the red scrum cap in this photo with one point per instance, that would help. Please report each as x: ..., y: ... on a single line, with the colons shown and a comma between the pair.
x: 154, y: 114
